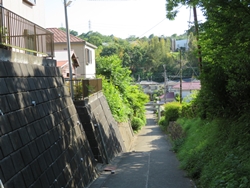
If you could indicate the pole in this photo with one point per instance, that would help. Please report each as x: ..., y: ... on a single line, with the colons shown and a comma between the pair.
x: 165, y: 84
x: 69, y: 50
x: 180, y: 78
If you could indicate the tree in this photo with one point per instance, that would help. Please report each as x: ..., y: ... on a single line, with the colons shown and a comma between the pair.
x: 95, y: 40
x: 109, y: 50
x: 72, y: 32
x: 225, y: 43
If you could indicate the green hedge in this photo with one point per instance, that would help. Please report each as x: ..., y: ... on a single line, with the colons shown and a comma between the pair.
x: 172, y: 111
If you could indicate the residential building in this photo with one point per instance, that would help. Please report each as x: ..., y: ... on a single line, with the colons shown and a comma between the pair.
x: 32, y: 10
x: 149, y: 87
x: 85, y: 52
x: 62, y: 62
x: 168, y: 97
x: 187, y: 88
x: 21, y: 28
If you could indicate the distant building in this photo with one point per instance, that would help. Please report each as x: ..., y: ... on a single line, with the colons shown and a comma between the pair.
x: 177, y: 44
x: 149, y: 87
x: 169, y: 97
x: 187, y: 88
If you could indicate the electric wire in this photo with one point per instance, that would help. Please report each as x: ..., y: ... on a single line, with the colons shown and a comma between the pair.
x: 152, y: 27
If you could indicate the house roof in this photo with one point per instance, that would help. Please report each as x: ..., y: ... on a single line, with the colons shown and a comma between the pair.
x: 61, y: 63
x: 189, y: 85
x: 60, y: 36
x: 172, y: 83
x: 149, y: 83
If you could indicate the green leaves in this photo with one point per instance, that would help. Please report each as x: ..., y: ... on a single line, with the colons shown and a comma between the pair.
x: 125, y: 99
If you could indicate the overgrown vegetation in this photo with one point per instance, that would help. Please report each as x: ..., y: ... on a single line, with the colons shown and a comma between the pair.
x: 126, y: 100
x: 214, y: 153
x: 215, y: 148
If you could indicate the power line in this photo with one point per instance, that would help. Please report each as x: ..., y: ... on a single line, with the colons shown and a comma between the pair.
x: 153, y: 27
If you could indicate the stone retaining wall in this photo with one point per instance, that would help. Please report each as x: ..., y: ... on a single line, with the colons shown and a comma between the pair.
x: 42, y: 142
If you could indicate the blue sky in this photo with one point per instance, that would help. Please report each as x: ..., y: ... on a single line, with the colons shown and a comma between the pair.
x: 120, y: 18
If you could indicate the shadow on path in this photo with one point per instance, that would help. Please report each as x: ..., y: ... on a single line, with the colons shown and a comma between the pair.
x: 151, y: 164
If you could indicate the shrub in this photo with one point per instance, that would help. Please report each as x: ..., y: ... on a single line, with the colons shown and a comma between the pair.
x: 162, y: 123
x: 172, y: 111
x: 137, y: 124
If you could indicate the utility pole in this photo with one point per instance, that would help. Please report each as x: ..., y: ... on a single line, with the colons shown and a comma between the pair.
x: 69, y: 48
x: 180, y: 77
x: 165, y: 84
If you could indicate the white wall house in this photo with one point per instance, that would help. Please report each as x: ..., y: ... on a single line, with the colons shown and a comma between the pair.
x: 32, y: 10
x: 85, y: 52
x: 22, y: 26
x: 187, y: 88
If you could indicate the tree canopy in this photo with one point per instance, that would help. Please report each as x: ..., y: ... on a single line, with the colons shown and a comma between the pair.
x: 225, y: 46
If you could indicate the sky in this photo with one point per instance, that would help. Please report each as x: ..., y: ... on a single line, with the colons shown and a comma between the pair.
x: 122, y: 18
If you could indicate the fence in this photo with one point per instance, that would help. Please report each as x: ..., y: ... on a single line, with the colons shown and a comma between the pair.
x: 22, y: 35
x: 84, y: 88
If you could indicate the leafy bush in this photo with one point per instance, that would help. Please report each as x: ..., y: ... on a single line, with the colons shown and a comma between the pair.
x: 119, y: 110
x: 162, y: 123
x: 189, y: 106
x: 126, y: 100
x: 215, y: 154
x: 172, y: 111
x: 137, y: 124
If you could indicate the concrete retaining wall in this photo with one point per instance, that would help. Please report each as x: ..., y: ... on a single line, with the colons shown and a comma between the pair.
x: 127, y: 135
x: 105, y: 138
x: 42, y: 142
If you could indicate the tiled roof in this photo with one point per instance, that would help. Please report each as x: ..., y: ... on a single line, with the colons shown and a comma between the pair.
x: 60, y: 36
x: 189, y: 86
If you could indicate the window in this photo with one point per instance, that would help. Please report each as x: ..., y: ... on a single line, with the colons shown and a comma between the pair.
x: 31, y: 2
x: 88, y: 56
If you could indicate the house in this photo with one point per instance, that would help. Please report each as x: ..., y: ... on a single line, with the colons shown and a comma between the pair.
x: 169, y: 97
x: 21, y: 28
x: 85, y: 52
x: 170, y: 84
x: 62, y: 62
x: 187, y: 88
x: 31, y: 10
x: 149, y: 87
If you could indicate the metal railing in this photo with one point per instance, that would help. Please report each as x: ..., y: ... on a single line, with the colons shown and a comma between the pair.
x: 24, y: 36
x: 84, y: 88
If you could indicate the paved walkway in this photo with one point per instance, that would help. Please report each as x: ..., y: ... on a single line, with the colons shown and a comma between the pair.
x: 150, y: 164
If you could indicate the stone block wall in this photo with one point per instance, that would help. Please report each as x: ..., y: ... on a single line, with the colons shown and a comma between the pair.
x: 42, y: 142
x: 101, y: 128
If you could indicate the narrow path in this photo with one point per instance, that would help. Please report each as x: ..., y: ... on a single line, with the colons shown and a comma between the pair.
x: 150, y: 164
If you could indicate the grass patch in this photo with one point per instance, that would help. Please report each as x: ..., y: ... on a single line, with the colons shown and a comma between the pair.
x: 216, y: 153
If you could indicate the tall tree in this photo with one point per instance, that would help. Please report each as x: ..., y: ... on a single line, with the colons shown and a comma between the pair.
x: 225, y: 43
x: 72, y: 32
